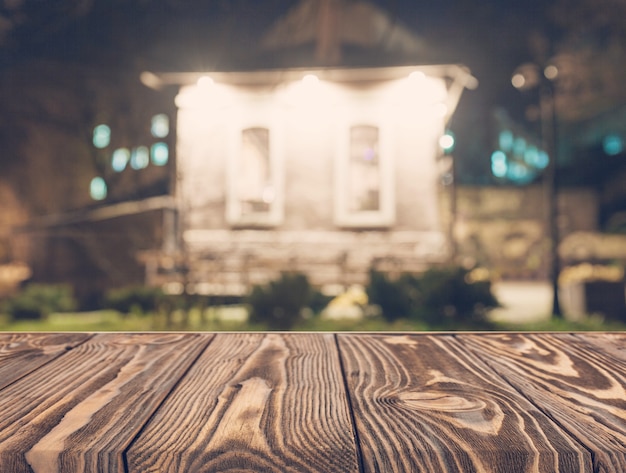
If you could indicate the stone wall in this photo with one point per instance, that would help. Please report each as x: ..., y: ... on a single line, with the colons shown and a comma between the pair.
x: 504, y: 228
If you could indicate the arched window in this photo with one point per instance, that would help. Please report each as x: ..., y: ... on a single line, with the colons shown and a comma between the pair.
x: 254, y: 187
x: 364, y: 178
x: 364, y: 191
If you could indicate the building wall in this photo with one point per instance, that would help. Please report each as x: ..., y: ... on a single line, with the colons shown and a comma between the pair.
x: 504, y: 228
x: 311, y: 128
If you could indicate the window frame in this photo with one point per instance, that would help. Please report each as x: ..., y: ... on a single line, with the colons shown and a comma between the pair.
x: 385, y: 215
x: 256, y: 117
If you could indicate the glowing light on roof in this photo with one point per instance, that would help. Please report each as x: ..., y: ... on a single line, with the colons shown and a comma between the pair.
x: 205, y: 81
x: 310, y: 79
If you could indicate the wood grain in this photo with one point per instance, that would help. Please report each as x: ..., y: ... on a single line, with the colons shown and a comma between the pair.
x: 80, y: 411
x: 254, y: 402
x: 574, y: 382
x: 22, y: 353
x: 613, y: 344
x: 425, y: 404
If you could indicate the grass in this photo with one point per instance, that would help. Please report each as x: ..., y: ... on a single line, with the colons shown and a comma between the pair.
x: 232, y: 319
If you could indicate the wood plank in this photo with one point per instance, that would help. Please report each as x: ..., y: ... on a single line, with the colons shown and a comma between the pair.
x: 608, y: 343
x: 254, y: 402
x: 80, y: 411
x: 22, y: 353
x: 425, y: 404
x: 578, y: 385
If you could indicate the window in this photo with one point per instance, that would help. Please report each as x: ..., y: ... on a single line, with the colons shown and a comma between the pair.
x: 364, y: 193
x: 254, y: 194
x: 364, y: 170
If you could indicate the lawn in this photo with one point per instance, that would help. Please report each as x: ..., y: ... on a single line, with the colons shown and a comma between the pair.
x: 233, y: 319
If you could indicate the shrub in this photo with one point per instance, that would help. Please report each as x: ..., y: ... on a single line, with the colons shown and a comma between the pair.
x: 449, y: 295
x: 129, y: 299
x: 439, y: 296
x: 37, y: 301
x: 280, y: 303
x: 396, y: 298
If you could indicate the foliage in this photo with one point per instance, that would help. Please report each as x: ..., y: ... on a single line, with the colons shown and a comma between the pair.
x: 133, y: 299
x: 37, y: 301
x: 450, y: 295
x: 280, y: 303
x: 439, y: 296
x: 396, y: 298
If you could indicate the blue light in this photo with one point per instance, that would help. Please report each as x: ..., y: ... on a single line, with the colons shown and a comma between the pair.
x: 120, y: 159
x: 505, y: 140
x: 519, y: 146
x: 101, y: 136
x: 98, y: 189
x: 140, y: 158
x: 613, y: 145
x: 531, y: 156
x: 159, y: 152
x: 519, y: 173
x: 499, y: 166
x: 447, y: 141
x: 160, y: 127
x: 542, y: 160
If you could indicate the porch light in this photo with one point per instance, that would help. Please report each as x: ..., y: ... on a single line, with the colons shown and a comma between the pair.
x: 417, y: 76
x: 310, y: 79
x: 205, y: 81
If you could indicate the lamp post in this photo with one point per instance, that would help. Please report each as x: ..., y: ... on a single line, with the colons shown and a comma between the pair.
x: 526, y: 77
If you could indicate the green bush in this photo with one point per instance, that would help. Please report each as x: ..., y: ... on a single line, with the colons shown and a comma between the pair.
x: 37, y: 301
x: 280, y: 303
x: 439, y: 296
x: 450, y: 295
x: 397, y: 299
x: 142, y: 299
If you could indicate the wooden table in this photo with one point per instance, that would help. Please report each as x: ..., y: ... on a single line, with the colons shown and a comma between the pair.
x: 204, y: 402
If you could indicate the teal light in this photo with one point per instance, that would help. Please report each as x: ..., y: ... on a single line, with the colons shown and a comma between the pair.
x: 447, y: 141
x: 531, y: 156
x: 140, y: 158
x: 519, y: 173
x: 613, y: 145
x: 101, y: 136
x: 519, y: 146
x: 505, y: 140
x: 159, y: 153
x: 98, y: 189
x: 120, y: 159
x: 542, y: 160
x: 160, y: 126
x: 499, y: 166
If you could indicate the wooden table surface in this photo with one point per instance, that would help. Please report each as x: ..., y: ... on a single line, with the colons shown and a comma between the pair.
x: 324, y: 402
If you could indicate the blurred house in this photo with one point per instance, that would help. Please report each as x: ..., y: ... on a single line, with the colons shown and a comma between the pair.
x: 328, y: 169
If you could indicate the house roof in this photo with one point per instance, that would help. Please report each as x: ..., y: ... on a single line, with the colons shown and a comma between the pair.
x: 332, y: 24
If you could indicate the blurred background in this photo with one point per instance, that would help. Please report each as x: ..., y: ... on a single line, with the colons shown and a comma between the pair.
x: 312, y: 164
